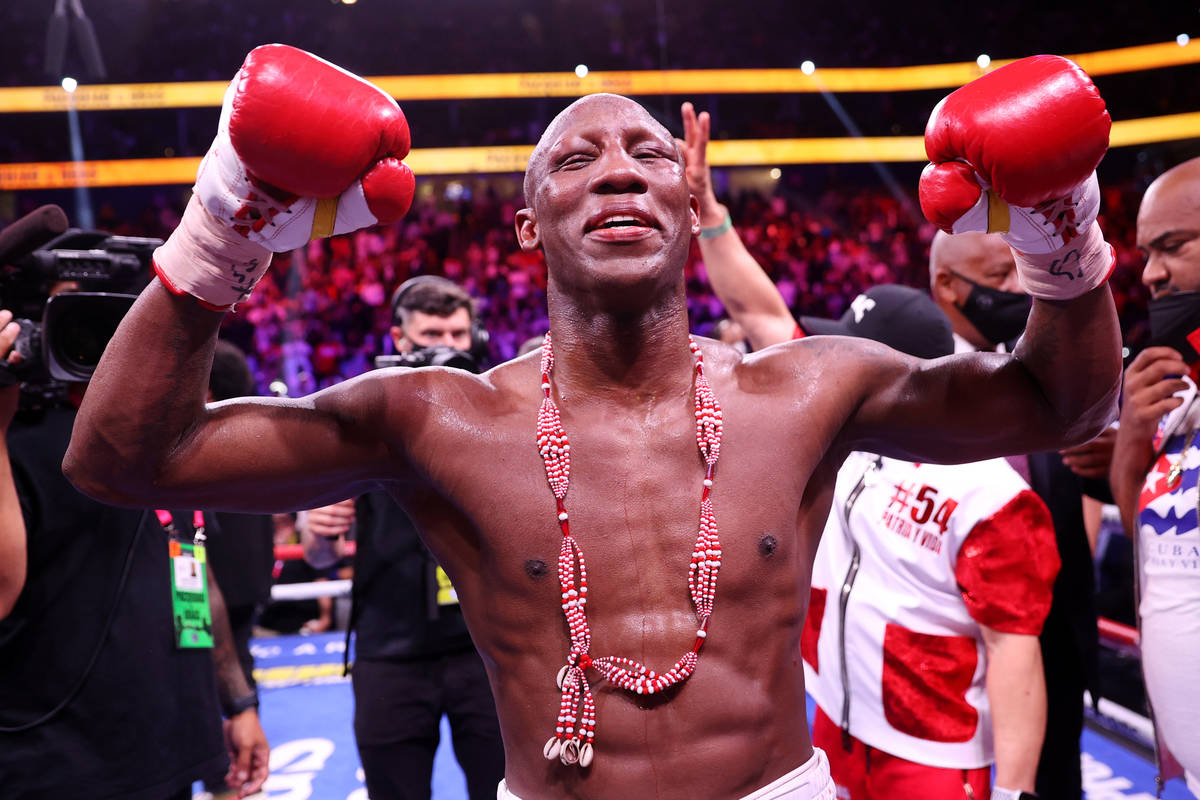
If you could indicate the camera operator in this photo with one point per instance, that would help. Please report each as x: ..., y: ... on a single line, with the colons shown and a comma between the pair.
x: 107, y: 687
x: 414, y: 660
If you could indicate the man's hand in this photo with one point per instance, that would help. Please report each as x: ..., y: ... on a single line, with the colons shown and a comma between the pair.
x: 331, y: 521
x: 694, y: 147
x: 322, y: 532
x: 9, y: 395
x: 1092, y: 459
x: 13, y: 557
x: 249, y: 753
x: 1151, y: 382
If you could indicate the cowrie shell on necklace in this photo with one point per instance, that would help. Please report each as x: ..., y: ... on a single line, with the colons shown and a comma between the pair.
x: 550, y: 751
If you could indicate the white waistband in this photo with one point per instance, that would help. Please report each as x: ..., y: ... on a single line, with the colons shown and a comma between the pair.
x: 809, y: 781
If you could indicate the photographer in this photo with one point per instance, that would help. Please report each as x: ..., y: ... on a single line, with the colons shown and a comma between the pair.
x: 414, y: 660
x: 432, y: 316
x: 107, y: 687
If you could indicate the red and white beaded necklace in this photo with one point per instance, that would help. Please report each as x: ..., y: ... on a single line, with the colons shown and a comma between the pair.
x: 576, y: 729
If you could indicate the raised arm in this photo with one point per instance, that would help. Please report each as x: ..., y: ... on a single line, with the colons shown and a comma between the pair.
x: 293, y: 129
x: 1058, y: 389
x: 737, y: 279
x: 144, y: 436
x: 1014, y: 153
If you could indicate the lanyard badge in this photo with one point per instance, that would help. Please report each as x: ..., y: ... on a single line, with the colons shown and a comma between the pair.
x: 447, y: 595
x: 189, y: 585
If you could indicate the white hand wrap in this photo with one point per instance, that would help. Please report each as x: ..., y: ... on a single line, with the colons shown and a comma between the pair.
x: 1059, y: 249
x: 1073, y: 270
x: 224, y: 243
x: 209, y: 261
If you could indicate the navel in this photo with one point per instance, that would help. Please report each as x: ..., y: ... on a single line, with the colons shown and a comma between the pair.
x: 536, y: 568
x: 767, y: 545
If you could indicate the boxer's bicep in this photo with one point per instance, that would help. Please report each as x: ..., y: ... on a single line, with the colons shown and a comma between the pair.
x: 266, y: 454
x: 959, y: 408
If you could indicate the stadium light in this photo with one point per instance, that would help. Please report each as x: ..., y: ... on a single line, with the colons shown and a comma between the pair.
x: 70, y: 84
x: 581, y: 71
x: 808, y: 68
x: 349, y: 2
x: 983, y: 61
x: 1182, y: 39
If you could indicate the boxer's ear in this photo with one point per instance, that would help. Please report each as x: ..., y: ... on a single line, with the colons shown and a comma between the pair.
x: 943, y: 287
x: 527, y: 230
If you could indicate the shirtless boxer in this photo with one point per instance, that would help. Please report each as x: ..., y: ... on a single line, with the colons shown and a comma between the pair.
x: 610, y: 208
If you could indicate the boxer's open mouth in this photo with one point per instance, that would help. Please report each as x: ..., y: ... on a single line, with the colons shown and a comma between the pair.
x: 627, y: 219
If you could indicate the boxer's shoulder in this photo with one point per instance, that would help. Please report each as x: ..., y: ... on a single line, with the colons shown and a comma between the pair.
x: 831, y: 363
x: 504, y: 388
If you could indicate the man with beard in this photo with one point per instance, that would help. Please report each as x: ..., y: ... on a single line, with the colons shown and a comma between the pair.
x: 1156, y: 463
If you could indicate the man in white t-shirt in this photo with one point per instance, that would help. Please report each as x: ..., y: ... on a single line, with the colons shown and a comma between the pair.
x: 1156, y: 464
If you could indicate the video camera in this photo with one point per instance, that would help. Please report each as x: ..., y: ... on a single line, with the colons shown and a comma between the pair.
x: 63, y: 335
x: 436, y: 356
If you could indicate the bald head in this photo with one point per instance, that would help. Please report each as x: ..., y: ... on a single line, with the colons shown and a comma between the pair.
x: 1168, y: 230
x: 535, y: 169
x: 957, y: 264
x: 1174, y: 196
x: 608, y: 205
x: 1180, y: 183
x: 979, y: 257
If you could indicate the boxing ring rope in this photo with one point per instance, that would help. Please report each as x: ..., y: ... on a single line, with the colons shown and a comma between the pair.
x: 293, y: 592
x: 1113, y: 634
x: 295, y: 552
x: 1118, y: 636
x: 287, y: 592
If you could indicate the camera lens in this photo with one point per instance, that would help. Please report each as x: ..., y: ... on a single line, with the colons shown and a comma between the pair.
x: 78, y: 327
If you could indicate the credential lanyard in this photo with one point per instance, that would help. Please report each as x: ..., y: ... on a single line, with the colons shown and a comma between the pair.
x: 189, y: 585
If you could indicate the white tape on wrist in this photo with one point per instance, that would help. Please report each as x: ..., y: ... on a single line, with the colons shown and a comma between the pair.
x: 1084, y: 263
x: 210, y: 261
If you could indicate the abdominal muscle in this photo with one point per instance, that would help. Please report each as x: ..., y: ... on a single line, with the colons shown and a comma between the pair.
x: 737, y: 724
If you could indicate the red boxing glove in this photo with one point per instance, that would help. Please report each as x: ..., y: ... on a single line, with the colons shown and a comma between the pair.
x: 309, y: 127
x: 303, y: 150
x: 1014, y: 152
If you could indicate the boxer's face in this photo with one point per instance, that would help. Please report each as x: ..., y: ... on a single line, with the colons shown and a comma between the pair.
x: 609, y: 204
x: 1168, y: 234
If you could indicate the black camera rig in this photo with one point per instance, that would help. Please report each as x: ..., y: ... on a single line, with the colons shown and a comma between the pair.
x: 68, y: 290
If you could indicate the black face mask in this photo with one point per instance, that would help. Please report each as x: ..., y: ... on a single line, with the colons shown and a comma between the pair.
x: 998, y: 315
x: 1173, y: 319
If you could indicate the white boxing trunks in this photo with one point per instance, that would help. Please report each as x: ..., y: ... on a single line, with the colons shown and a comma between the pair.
x: 809, y: 781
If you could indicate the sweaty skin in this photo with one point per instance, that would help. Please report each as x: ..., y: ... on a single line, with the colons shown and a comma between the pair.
x: 458, y: 452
